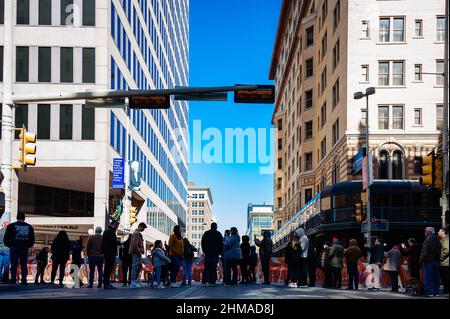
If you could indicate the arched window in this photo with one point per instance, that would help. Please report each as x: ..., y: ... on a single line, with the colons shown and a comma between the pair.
x: 397, y: 165
x: 383, y: 165
x: 335, y: 173
x: 322, y: 182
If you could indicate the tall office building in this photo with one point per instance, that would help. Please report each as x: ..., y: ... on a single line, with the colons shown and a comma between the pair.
x: 325, y: 51
x: 199, y: 217
x: 259, y: 219
x: 77, y: 45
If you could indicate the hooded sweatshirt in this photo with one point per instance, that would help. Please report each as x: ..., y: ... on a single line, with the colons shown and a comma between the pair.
x: 304, y: 242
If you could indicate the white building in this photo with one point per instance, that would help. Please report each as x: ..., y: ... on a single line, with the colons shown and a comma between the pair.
x: 199, y: 215
x: 259, y: 219
x: 105, y: 44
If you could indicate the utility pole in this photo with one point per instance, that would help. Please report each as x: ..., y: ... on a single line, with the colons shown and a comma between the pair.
x: 7, y: 115
x: 445, y: 115
x: 126, y: 202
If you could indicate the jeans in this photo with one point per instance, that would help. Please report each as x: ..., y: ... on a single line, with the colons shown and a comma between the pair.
x: 394, y: 280
x: 431, y: 273
x: 94, y: 262
x: 353, y: 275
x: 244, y: 271
x: 19, y: 254
x: 135, y: 268
x: 210, y: 270
x: 303, y: 272
x: 265, y: 262
x: 187, y: 270
x: 40, y: 274
x: 109, y: 266
x: 61, y: 264
x: 293, y: 272
x: 312, y: 274
x: 328, y: 277
x: 158, y: 275
x: 4, y: 264
x: 175, y: 268
x: 444, y: 278
x: 337, y: 277
x: 126, y: 272
x: 232, y: 274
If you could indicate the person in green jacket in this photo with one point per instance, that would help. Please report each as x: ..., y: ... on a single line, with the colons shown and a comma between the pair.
x: 443, y: 236
x: 336, y: 258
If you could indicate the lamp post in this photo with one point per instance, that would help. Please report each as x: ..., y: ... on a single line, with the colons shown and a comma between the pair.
x: 357, y: 96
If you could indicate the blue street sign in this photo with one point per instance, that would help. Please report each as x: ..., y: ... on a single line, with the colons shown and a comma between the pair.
x: 118, y: 178
x: 357, y: 161
x: 378, y: 225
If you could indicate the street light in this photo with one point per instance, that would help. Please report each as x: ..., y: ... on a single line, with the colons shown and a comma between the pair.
x: 358, y: 96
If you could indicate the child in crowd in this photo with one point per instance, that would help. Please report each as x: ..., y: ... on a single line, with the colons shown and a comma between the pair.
x: 159, y: 260
x: 41, y: 261
x: 252, y: 262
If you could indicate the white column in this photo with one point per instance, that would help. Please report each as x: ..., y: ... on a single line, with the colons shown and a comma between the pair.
x: 33, y: 59
x: 54, y: 122
x: 32, y: 118
x: 56, y: 56
x: 56, y: 12
x: 77, y: 65
x: 34, y: 12
x: 77, y: 117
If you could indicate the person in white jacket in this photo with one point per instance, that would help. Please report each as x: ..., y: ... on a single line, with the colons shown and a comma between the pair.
x: 159, y: 260
x: 304, y: 243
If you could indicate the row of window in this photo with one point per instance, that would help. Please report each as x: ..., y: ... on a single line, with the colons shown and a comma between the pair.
x: 67, y: 63
x: 198, y: 212
x: 195, y: 196
x: 198, y: 228
x: 392, y: 117
x: 66, y: 12
x: 198, y: 220
x: 197, y: 204
x: 158, y: 219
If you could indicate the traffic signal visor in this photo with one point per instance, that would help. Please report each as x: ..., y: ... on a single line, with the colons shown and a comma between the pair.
x: 133, y: 215
x: 358, y: 212
x: 437, y: 173
x: 27, y: 148
x: 149, y: 102
x: 427, y: 170
x: 263, y: 94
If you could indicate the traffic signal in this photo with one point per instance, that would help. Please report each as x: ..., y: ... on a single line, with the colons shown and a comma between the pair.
x: 149, y: 102
x: 359, y: 212
x: 263, y: 94
x: 27, y: 148
x: 437, y: 173
x: 133, y: 215
x: 431, y: 171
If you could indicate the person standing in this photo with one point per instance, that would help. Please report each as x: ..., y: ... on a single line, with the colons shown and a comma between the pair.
x: 188, y: 258
x: 245, y: 251
x: 430, y: 258
x: 304, y: 243
x: 292, y: 256
x: 232, y: 254
x: 109, y: 250
x: 42, y: 262
x: 60, y: 255
x: 312, y: 264
x: 4, y: 256
x: 77, y: 249
x: 159, y: 260
x: 212, y: 247
x: 376, y: 258
x: 253, y: 262
x: 136, y: 251
x: 127, y: 261
x: 222, y: 259
x: 176, y: 251
x: 19, y: 237
x: 443, y: 235
x: 352, y: 255
x: 336, y: 260
x: 412, y: 251
x: 392, y: 266
x: 95, y: 256
x: 265, y: 254
x: 325, y: 265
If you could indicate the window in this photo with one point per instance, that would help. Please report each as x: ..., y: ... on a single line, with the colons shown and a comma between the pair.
x: 280, y: 144
x: 67, y: 10
x: 440, y: 70
x: 385, y: 29
x: 323, y: 80
x: 308, y: 130
x: 365, y: 29
x: 399, y: 29
x: 324, y: 11
x: 417, y: 72
x: 308, y: 195
x: 1, y: 63
x: 323, y: 114
x: 309, y: 68
x: 43, y: 125
x: 417, y: 116
x: 335, y: 175
x: 65, y: 121
x: 383, y: 73
x: 383, y: 165
x: 397, y: 73
x: 383, y: 117
x: 89, y: 13
x: 44, y: 64
x: 308, y: 99
x: 336, y: 54
x: 309, y: 37
x: 280, y: 125
x: 280, y: 202
x: 336, y: 93
x: 418, y: 29
x: 440, y: 29
x: 364, y: 73
x: 324, y: 45
x: 88, y: 123
x: 397, y: 117
x: 439, y: 116
x: 21, y: 117
x: 2, y: 12
x: 417, y: 165
x: 336, y: 131
x: 66, y: 64
x: 336, y: 15
x: 22, y: 64
x: 280, y: 163
x: 397, y: 165
x: 88, y: 65
x: 323, y: 148
x: 23, y: 11
x: 45, y: 12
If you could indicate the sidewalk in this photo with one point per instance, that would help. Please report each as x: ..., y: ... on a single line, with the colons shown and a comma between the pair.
x: 19, y: 287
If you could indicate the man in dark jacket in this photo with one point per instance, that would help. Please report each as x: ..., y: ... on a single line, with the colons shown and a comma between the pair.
x: 95, y: 255
x: 413, y: 252
x: 265, y: 253
x: 127, y: 261
x: 19, y: 237
x: 212, y: 246
x: 431, y: 258
x: 109, y: 250
x: 376, y: 258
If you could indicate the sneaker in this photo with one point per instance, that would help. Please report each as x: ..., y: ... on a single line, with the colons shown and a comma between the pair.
x: 189, y: 283
x: 204, y: 285
x: 90, y: 286
x: 110, y: 287
x: 160, y: 286
x: 134, y: 286
x: 174, y: 285
x: 292, y: 285
x: 304, y: 286
x: 125, y: 285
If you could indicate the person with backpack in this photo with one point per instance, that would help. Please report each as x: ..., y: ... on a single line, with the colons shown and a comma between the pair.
x: 160, y: 260
x: 60, y: 255
x: 336, y: 258
x: 245, y: 250
x: 325, y: 265
x: 42, y: 262
x: 252, y: 263
x: 352, y: 255
x: 188, y: 258
x: 127, y: 261
x: 292, y: 255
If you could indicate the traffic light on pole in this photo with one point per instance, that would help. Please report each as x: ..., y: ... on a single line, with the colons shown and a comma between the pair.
x: 133, y: 215
x: 426, y: 170
x: 149, y: 102
x: 263, y: 94
x: 437, y: 173
x: 359, y: 212
x: 27, y: 148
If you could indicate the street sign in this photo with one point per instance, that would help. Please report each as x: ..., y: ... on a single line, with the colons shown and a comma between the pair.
x: 357, y: 161
x: 376, y: 225
x: 118, y: 179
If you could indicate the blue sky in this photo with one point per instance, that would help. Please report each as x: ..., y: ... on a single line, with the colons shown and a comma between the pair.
x: 231, y: 41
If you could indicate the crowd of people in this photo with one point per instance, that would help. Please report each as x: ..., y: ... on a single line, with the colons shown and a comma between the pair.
x: 231, y: 253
